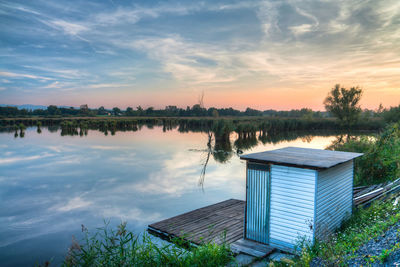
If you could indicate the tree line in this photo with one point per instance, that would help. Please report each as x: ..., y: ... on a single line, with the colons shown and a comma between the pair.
x: 340, y: 102
x: 194, y: 111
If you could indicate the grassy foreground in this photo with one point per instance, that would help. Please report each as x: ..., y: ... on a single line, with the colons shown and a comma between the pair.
x: 120, y: 247
x: 364, y: 225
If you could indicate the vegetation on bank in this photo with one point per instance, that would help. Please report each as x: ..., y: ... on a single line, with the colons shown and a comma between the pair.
x: 344, y: 104
x: 341, y: 103
x: 120, y: 247
x: 197, y: 110
x: 364, y: 225
x: 243, y: 126
x: 381, y: 160
x: 381, y: 163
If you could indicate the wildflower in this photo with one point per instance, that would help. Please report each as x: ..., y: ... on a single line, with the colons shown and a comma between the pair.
x: 75, y: 245
x: 122, y: 229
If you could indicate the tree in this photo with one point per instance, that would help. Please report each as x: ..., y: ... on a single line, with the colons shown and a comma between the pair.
x: 149, y: 111
x: 101, y: 111
x: 53, y: 110
x: 392, y: 114
x: 129, y: 111
x: 116, y: 111
x: 344, y: 104
x: 139, y: 110
x: 215, y: 113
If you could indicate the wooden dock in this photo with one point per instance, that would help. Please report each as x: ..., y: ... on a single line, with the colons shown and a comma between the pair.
x: 219, y: 222
x: 224, y: 221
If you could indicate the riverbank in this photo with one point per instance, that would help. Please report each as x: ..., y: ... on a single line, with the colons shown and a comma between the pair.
x: 370, y: 236
x: 242, y: 124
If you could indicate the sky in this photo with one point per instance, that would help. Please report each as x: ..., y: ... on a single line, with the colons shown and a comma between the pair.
x: 262, y: 54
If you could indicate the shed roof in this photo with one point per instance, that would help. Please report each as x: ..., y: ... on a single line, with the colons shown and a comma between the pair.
x: 302, y: 157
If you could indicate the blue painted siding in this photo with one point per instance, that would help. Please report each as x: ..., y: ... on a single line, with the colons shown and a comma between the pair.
x: 334, y: 198
x: 257, y: 205
x: 292, y: 205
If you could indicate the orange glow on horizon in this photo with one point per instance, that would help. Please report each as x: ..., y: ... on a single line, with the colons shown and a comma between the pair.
x: 278, y: 99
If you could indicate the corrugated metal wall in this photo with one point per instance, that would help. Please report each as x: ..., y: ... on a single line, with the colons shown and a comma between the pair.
x: 292, y: 205
x: 334, y: 198
x: 257, y: 206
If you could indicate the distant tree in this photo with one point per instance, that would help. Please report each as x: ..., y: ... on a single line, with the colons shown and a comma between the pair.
x: 129, y: 111
x: 307, y: 113
x: 84, y: 107
x: 171, y: 110
x: 149, y: 111
x: 215, y: 113
x: 197, y: 110
x: 392, y: 114
x: 140, y: 110
x: 53, y: 110
x: 252, y: 112
x: 116, y: 111
x: 344, y: 104
x: 101, y: 111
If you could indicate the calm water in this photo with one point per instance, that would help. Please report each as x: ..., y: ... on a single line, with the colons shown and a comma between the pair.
x: 50, y: 184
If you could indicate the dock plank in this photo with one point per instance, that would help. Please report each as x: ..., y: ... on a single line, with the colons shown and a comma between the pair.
x: 206, y: 224
x: 252, y: 248
x: 220, y: 222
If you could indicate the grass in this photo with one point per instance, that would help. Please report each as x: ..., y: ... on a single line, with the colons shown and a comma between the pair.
x: 364, y: 225
x: 120, y: 247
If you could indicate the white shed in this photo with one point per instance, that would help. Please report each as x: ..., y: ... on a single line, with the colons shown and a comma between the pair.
x: 294, y: 193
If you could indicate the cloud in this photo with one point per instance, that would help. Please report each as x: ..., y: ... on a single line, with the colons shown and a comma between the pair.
x: 301, y: 29
x: 100, y: 147
x: 55, y: 84
x: 123, y: 15
x: 69, y: 28
x: 11, y: 160
x: 184, y: 59
x: 21, y: 75
x: 129, y: 214
x: 60, y: 73
x: 20, y: 8
x: 301, y: 46
x: 106, y: 85
x: 72, y: 204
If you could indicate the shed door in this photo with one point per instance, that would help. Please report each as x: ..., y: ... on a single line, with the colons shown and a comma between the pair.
x: 257, y: 205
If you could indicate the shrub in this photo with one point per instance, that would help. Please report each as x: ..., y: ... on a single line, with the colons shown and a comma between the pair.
x: 120, y: 247
x: 381, y: 161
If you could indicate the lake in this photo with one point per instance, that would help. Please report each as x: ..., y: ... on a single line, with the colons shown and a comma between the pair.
x: 51, y: 184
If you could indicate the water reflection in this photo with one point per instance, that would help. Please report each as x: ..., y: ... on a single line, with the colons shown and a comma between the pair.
x: 51, y: 184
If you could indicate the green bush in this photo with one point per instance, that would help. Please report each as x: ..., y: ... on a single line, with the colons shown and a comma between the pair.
x: 120, y: 247
x: 381, y: 160
x: 392, y: 115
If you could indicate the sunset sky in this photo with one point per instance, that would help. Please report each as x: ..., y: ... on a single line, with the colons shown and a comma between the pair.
x: 261, y: 54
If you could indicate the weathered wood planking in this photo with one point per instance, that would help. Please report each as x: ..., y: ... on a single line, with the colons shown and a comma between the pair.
x: 302, y: 157
x: 251, y: 248
x: 219, y: 222
x: 224, y: 221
